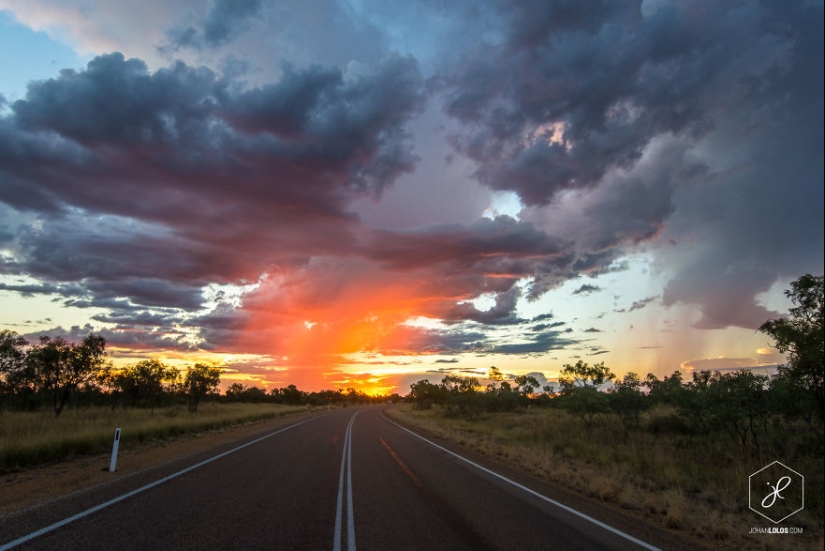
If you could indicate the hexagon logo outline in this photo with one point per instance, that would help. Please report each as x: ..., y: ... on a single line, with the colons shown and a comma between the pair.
x: 780, y: 485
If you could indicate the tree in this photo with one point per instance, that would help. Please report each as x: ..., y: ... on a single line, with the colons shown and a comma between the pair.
x: 585, y: 376
x: 423, y: 394
x: 292, y: 396
x: 12, y: 359
x: 627, y: 399
x: 459, y: 393
x: 580, y: 390
x: 669, y: 390
x: 526, y: 384
x: 586, y: 402
x: 235, y: 392
x: 734, y: 402
x: 801, y: 337
x: 146, y: 381
x: 457, y: 385
x: 201, y: 380
x: 61, y: 367
x: 494, y: 374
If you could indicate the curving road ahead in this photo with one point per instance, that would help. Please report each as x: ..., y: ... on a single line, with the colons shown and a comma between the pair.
x: 346, y: 479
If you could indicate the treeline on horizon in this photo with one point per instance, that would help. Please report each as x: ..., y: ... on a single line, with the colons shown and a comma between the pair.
x: 747, y: 406
x: 55, y: 373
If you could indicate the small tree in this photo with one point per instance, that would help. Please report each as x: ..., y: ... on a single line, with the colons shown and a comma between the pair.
x: 12, y: 358
x: 584, y: 375
x: 526, y: 384
x: 627, y: 399
x: 235, y: 392
x: 587, y: 403
x: 147, y: 381
x: 423, y: 394
x: 669, y: 390
x: 801, y: 337
x: 580, y: 390
x: 459, y: 393
x: 61, y: 367
x: 201, y: 380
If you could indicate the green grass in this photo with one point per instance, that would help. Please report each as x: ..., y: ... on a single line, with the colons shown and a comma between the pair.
x: 694, y: 483
x: 32, y: 438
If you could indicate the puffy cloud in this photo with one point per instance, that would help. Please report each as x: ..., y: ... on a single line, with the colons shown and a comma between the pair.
x: 172, y: 176
x: 224, y: 20
x: 639, y: 304
x: 675, y: 123
x: 587, y: 289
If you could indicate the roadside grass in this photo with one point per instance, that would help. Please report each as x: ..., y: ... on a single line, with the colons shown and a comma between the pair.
x: 32, y: 438
x: 695, y: 484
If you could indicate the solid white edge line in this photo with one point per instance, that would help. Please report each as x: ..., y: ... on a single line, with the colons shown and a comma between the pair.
x: 339, y: 503
x: 529, y: 491
x: 96, y: 508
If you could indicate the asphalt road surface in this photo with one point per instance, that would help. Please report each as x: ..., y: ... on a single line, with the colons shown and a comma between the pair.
x: 345, y: 479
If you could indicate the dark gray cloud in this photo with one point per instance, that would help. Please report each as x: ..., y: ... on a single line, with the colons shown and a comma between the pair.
x: 502, y: 313
x: 682, y: 122
x: 227, y: 17
x: 539, y: 343
x: 405, y: 340
x: 476, y: 338
x: 763, y: 222
x: 138, y: 319
x: 156, y: 183
x: 544, y: 326
x: 587, y: 289
x: 137, y: 340
x: 565, y: 99
x: 501, y: 245
x: 225, y: 20
x: 639, y: 304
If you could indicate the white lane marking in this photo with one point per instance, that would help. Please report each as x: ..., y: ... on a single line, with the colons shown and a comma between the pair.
x: 350, y: 515
x: 529, y: 491
x: 127, y: 495
x: 346, y: 460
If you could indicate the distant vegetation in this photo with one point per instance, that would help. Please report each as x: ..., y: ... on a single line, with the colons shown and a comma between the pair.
x: 54, y: 373
x: 60, y: 399
x: 754, y: 410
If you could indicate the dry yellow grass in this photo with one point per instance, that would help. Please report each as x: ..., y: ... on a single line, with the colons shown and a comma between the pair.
x: 694, y: 484
x: 30, y: 438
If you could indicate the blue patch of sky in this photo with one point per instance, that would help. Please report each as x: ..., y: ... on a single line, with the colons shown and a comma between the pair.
x: 29, y: 55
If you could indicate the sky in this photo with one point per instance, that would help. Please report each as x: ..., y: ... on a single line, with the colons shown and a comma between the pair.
x: 364, y: 193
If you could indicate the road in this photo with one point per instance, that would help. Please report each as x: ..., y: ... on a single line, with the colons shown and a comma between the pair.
x: 345, y: 479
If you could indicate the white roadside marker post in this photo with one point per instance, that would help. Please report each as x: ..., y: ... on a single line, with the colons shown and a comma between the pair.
x: 114, y: 451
